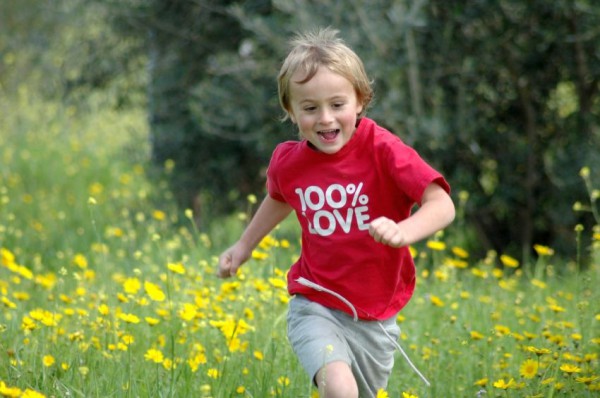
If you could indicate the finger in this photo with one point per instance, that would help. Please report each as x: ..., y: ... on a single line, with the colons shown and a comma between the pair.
x: 223, y: 269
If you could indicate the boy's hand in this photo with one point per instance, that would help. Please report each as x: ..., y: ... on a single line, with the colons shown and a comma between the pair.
x: 388, y: 232
x: 231, y: 260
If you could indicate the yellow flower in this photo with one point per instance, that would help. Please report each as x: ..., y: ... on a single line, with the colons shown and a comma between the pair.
x: 569, y: 368
x: 259, y: 355
x: 413, y: 252
x: 80, y: 261
x: 103, y: 309
x: 152, y: 321
x: 538, y: 283
x: 7, y: 391
x: 129, y: 318
x: 543, y: 250
x: 240, y: 389
x: 475, y: 335
x: 48, y: 360
x: 509, y: 261
x: 29, y: 393
x: 278, y: 283
x: 460, y: 252
x: 501, y: 330
x: 283, y: 380
x: 436, y: 301
x: 436, y: 245
x: 482, y: 382
x: 381, y: 393
x: 177, y: 268
x: 188, y: 312
x: 258, y: 255
x: 154, y: 291
x: 556, y: 308
x: 128, y: 339
x: 503, y: 385
x: 47, y: 318
x: 154, y: 355
x: 168, y: 364
x: 132, y: 285
x: 529, y: 369
x: 212, y: 373
x: 408, y: 395
x: 159, y: 215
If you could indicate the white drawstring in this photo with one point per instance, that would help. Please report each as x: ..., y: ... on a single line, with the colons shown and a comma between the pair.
x: 307, y: 283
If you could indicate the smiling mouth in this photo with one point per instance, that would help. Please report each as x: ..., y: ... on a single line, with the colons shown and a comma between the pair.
x: 328, y: 135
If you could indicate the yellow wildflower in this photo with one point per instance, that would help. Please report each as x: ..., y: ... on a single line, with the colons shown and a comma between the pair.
x: 212, y: 373
x: 509, y: 261
x: 177, y: 268
x: 159, y: 215
x: 129, y: 318
x: 503, y: 385
x: 436, y: 245
x: 529, y: 369
x: 154, y: 355
x: 381, y: 393
x: 542, y: 250
x: 569, y: 368
x: 48, y: 360
x: 80, y: 261
x: 460, y: 252
x: 154, y: 291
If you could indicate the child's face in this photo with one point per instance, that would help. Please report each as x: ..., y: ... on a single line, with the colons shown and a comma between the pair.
x: 325, y: 108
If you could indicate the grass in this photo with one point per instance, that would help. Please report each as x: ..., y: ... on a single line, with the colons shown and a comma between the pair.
x: 107, y: 289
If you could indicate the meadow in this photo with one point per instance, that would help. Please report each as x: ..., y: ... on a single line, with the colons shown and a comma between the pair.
x: 107, y: 289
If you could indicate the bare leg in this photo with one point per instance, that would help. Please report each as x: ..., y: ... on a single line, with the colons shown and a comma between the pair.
x: 335, y: 380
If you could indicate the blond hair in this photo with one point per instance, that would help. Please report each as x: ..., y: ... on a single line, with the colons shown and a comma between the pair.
x: 323, y: 48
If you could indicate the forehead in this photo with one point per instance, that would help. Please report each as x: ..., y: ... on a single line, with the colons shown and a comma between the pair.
x: 325, y: 82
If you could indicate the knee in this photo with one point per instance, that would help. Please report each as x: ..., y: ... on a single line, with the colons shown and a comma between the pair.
x: 335, y: 380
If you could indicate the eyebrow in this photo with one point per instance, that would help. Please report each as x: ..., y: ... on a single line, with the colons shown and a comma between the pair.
x: 334, y: 98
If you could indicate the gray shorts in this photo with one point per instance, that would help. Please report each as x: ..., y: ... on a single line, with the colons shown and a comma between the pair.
x: 319, y: 335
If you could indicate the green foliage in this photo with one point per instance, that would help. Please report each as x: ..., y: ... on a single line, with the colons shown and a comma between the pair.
x: 67, y: 50
x: 488, y: 92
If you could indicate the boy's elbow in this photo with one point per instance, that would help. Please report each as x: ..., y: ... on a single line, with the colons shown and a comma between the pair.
x: 449, y: 211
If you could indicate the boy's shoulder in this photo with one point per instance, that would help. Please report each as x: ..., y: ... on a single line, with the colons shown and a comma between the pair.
x: 382, y: 137
x: 287, y: 147
x: 287, y: 151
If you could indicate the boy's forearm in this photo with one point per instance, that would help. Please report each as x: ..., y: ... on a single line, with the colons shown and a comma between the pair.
x: 435, y: 213
x: 270, y: 213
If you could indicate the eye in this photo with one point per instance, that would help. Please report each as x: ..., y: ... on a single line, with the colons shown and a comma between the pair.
x: 338, y: 104
x: 310, y: 108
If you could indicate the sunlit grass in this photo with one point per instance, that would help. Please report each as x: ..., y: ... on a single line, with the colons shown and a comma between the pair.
x: 106, y: 289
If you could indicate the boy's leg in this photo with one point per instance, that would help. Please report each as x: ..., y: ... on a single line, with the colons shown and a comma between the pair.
x: 335, y: 380
x: 321, y: 337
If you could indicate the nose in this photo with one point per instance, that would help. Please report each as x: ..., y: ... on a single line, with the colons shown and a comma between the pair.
x: 326, y: 116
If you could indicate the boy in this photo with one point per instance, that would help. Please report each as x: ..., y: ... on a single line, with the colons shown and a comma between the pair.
x: 352, y: 185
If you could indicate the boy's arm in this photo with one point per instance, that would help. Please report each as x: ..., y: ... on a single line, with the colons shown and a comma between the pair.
x: 435, y: 213
x: 270, y: 213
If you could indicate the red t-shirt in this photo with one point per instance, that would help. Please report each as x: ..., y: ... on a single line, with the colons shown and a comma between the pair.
x: 335, y: 197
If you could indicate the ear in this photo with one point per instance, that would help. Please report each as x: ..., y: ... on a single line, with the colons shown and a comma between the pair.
x: 360, y: 108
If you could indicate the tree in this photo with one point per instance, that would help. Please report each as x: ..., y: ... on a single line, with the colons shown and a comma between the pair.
x: 499, y: 94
